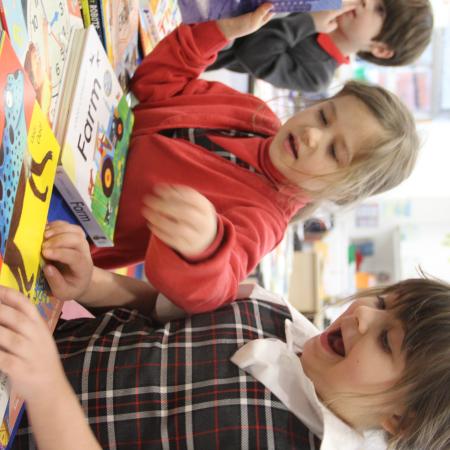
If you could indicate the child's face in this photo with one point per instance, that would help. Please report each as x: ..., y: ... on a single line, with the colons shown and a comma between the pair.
x: 322, y: 139
x: 360, y: 353
x: 362, y: 24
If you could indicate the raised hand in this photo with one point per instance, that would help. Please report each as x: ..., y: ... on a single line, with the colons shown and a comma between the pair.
x: 182, y: 218
x: 326, y: 21
x: 69, y: 266
x: 235, y: 27
x: 28, y: 354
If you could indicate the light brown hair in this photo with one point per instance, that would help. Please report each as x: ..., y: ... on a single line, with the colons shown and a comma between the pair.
x: 380, y: 165
x: 423, y: 307
x: 407, y: 30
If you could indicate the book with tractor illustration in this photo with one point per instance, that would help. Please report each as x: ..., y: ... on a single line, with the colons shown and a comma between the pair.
x: 94, y: 127
x: 39, y: 31
x: 30, y: 155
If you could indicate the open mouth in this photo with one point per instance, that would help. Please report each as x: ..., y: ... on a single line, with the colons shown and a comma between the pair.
x: 293, y: 145
x: 336, y: 342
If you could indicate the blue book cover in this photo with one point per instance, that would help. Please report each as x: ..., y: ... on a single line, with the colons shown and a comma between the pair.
x: 202, y: 10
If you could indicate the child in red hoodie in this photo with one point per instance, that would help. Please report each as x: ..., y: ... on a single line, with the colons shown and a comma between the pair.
x: 213, y: 178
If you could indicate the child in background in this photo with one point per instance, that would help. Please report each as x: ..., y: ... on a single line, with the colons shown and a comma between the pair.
x: 219, y: 176
x: 239, y: 377
x: 303, y: 51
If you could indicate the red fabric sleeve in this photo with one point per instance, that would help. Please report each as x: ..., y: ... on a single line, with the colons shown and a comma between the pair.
x: 215, y: 244
x: 249, y: 233
x: 176, y: 62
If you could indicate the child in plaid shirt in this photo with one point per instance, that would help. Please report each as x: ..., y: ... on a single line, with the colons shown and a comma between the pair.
x: 253, y: 374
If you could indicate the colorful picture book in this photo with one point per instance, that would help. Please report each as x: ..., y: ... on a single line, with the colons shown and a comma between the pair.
x: 94, y: 127
x: 117, y: 24
x: 157, y: 18
x: 202, y: 10
x: 39, y: 32
x: 30, y: 155
x: 124, y: 28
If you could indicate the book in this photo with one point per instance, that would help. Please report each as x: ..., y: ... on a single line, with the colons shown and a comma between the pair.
x: 148, y: 31
x: 105, y: 7
x: 157, y: 19
x: 124, y: 38
x: 39, y: 32
x: 202, y: 10
x: 27, y: 171
x: 94, y: 128
x: 94, y: 14
x: 84, y: 7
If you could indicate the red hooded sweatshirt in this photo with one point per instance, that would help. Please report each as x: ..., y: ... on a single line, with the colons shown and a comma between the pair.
x: 253, y: 209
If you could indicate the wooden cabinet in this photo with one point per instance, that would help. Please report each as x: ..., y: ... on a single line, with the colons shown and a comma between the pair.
x: 304, y: 285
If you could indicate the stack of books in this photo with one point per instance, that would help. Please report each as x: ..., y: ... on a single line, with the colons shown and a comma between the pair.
x: 27, y: 172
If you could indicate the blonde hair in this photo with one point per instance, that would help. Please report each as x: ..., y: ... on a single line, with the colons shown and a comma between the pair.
x: 423, y: 307
x: 379, y: 165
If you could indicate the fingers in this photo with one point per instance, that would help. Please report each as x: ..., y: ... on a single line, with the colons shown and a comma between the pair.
x: 351, y: 3
x: 263, y: 13
x: 176, y: 204
x: 12, y: 341
x: 59, y: 226
x: 182, y: 218
x: 16, y: 313
x: 347, y: 6
x: 63, y: 242
x: 18, y: 302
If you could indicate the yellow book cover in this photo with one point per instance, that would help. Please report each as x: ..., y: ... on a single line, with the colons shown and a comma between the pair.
x: 30, y: 156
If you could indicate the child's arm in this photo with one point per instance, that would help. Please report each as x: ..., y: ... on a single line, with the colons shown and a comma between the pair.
x: 206, y: 280
x: 278, y: 52
x: 173, y: 66
x: 71, y: 275
x: 28, y: 356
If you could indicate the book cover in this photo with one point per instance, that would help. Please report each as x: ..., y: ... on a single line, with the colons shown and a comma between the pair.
x: 167, y: 15
x: 95, y: 127
x: 202, y: 10
x: 124, y: 38
x: 39, y: 32
x: 95, y: 19
x: 148, y: 31
x: 105, y: 7
x: 27, y: 171
x: 84, y: 6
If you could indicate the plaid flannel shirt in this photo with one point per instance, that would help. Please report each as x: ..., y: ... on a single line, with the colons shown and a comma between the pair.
x: 149, y: 386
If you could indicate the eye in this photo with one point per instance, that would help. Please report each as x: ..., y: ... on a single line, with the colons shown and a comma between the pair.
x: 332, y: 151
x: 322, y: 117
x: 381, y: 304
x: 379, y: 8
x: 384, y: 342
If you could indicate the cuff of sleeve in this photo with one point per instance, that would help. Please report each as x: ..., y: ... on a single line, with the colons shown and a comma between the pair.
x: 209, y: 37
x: 215, y: 244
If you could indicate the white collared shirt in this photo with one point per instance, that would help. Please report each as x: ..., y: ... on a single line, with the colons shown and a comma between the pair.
x: 276, y: 365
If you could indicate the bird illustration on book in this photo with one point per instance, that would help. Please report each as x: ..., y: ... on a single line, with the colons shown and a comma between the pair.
x: 17, y: 168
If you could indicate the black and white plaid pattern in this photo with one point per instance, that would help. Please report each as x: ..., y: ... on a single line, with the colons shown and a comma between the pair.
x: 200, y: 136
x: 146, y: 386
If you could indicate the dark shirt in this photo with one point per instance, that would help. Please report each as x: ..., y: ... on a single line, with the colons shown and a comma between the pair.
x: 173, y: 386
x: 284, y: 52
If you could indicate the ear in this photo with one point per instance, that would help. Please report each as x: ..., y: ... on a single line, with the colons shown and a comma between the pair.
x: 381, y: 50
x: 391, y: 423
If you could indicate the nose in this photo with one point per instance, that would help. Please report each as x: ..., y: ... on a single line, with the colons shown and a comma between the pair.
x: 365, y: 317
x: 311, y: 137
